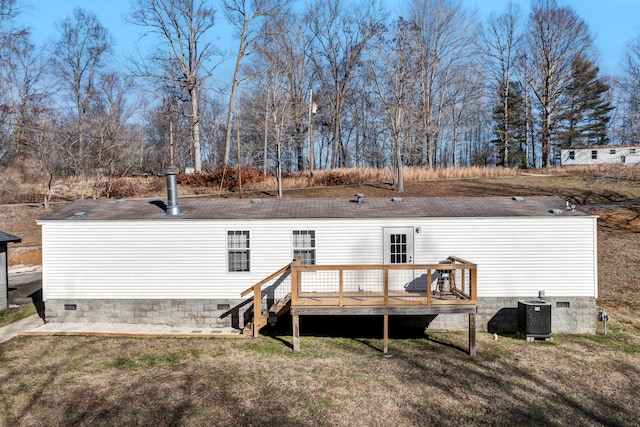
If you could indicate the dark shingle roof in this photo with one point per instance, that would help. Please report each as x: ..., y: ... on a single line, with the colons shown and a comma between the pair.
x: 9, y: 238
x: 411, y: 207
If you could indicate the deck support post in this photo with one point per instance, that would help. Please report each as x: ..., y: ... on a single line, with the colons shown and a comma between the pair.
x: 472, y: 334
x: 295, y: 320
x: 386, y: 334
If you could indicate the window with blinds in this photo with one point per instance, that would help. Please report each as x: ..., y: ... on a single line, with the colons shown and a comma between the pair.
x: 304, y: 246
x: 238, y: 251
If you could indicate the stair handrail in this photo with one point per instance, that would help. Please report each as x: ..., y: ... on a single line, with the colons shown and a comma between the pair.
x: 258, y: 320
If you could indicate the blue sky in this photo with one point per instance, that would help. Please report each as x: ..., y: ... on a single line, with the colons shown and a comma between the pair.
x: 613, y: 23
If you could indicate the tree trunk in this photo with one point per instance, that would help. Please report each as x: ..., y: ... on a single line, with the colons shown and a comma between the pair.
x: 195, y: 129
x: 232, y: 97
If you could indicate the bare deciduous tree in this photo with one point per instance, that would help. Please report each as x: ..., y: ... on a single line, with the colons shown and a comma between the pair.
x: 445, y: 34
x: 79, y: 53
x: 285, y: 51
x: 34, y: 118
x: 113, y: 151
x: 499, y: 45
x: 554, y: 38
x: 631, y: 92
x: 9, y: 34
x: 185, y: 59
x: 393, y: 72
x: 340, y: 37
x: 246, y: 16
x: 14, y: 48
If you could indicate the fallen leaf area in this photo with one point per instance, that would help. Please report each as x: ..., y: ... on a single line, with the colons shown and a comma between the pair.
x: 344, y: 379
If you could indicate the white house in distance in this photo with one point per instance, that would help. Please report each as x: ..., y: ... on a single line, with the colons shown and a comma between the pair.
x: 601, y: 155
x: 130, y: 261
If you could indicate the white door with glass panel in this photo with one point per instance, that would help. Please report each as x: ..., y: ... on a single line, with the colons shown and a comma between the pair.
x: 398, y: 249
x: 398, y: 245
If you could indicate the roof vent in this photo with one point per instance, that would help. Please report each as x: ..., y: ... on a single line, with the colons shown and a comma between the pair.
x: 121, y: 201
x: 173, y: 209
x: 570, y: 207
x: 396, y: 199
x: 555, y: 211
x: 256, y: 201
x: 80, y: 214
x: 517, y: 198
x: 359, y: 197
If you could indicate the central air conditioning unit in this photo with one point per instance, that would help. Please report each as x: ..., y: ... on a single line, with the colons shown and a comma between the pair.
x: 534, y: 319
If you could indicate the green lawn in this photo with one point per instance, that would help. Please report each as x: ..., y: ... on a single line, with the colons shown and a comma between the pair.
x: 10, y: 315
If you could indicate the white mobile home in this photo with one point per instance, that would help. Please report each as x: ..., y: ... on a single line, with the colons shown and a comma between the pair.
x: 601, y: 155
x: 127, y: 261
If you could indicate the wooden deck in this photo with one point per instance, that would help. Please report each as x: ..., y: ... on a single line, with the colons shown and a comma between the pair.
x: 360, y: 298
x: 395, y: 289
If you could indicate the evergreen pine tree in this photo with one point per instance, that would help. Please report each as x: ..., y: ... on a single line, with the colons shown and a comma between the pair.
x: 587, y: 109
x: 510, y: 129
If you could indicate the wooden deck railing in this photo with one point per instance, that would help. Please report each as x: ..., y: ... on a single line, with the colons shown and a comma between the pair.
x: 259, y: 321
x: 450, y: 283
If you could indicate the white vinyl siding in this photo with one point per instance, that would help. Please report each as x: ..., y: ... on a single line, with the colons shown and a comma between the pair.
x: 598, y: 156
x: 519, y: 256
x: 176, y: 258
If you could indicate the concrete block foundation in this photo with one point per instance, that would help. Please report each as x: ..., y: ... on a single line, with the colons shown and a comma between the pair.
x: 569, y: 315
x: 179, y: 312
x: 574, y: 315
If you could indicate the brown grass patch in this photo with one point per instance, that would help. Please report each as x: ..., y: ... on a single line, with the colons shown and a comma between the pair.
x: 333, y: 381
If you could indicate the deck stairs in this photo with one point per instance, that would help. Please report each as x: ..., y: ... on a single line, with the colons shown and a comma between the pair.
x: 269, y: 316
x: 278, y: 309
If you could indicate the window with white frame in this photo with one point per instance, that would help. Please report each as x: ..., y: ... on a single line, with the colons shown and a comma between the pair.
x: 238, y: 251
x: 612, y: 151
x: 572, y: 155
x: 304, y: 246
x: 594, y: 154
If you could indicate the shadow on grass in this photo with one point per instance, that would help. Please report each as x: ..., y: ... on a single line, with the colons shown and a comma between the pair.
x: 359, y: 328
x: 431, y: 338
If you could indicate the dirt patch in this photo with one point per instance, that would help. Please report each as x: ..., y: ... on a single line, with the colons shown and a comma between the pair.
x: 620, y: 218
x: 20, y: 220
x: 25, y: 257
